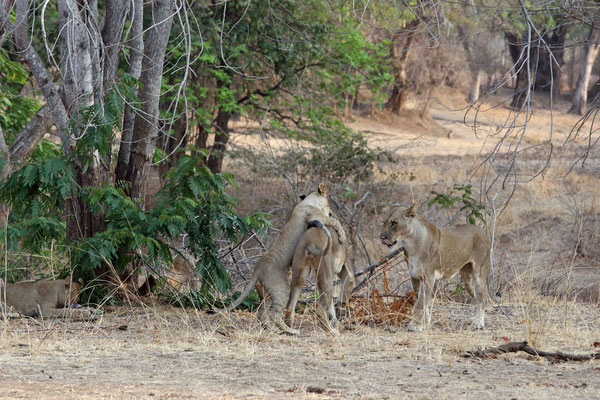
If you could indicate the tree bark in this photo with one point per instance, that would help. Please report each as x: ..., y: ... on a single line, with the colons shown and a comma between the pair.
x: 76, y: 68
x: 474, y: 93
x: 550, y: 60
x: 399, y: 90
x: 29, y: 137
x: 114, y: 23
x: 215, y: 160
x: 136, y: 51
x: 524, y: 69
x: 579, y: 103
x: 145, y: 133
x: 36, y: 65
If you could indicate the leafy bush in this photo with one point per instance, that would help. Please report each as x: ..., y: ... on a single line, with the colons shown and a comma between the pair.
x: 462, y: 194
x: 193, y: 202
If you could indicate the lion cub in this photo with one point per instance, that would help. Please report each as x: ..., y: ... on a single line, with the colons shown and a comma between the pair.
x: 320, y: 250
x: 436, y: 253
x: 45, y: 299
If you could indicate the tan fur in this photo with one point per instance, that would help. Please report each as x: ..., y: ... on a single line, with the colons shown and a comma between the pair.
x: 320, y: 250
x: 439, y: 253
x: 182, y: 277
x: 45, y: 299
x: 271, y: 273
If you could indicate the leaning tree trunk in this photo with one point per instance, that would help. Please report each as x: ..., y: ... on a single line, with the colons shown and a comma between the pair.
x: 397, y: 98
x: 145, y: 132
x: 579, y: 103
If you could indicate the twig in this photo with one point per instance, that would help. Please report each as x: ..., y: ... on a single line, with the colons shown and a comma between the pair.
x: 515, y: 347
x: 380, y: 262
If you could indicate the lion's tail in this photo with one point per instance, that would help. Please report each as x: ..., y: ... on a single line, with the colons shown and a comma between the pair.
x: 311, y: 248
x: 241, y: 297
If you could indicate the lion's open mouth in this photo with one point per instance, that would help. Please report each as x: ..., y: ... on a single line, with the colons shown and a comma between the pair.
x: 388, y: 243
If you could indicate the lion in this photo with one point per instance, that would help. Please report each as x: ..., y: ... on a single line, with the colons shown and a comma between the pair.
x: 436, y: 253
x: 44, y: 299
x: 271, y: 274
x: 320, y: 250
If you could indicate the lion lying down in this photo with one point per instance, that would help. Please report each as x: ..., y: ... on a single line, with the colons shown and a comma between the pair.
x: 44, y: 299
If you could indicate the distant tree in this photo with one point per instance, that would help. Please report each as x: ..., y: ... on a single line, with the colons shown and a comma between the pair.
x: 592, y: 45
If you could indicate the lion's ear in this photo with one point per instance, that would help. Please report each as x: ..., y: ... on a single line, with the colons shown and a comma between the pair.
x: 412, y: 211
x: 322, y: 189
x: 80, y: 281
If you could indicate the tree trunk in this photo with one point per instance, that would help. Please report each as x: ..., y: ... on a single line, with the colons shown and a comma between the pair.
x: 476, y: 71
x: 524, y: 70
x: 136, y: 49
x: 5, y: 165
x: 215, y: 160
x: 76, y: 68
x: 400, y: 88
x: 114, y: 23
x: 579, y: 103
x: 174, y: 144
x: 145, y: 133
x: 474, y: 93
x: 549, y: 66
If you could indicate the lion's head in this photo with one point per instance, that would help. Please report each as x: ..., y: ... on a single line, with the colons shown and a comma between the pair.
x: 398, y: 225
x: 318, y: 199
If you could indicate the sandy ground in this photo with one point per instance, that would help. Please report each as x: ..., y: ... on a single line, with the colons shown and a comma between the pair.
x: 168, y: 353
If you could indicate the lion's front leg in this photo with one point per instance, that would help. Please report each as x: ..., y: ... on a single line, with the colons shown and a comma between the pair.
x: 422, y: 309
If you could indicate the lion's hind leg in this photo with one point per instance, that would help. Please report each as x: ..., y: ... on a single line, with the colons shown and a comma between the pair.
x: 480, y: 295
x: 300, y: 272
x: 326, y: 313
x: 348, y: 282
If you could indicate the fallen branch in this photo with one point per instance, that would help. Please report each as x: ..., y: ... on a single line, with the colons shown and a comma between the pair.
x: 380, y: 262
x: 515, y: 347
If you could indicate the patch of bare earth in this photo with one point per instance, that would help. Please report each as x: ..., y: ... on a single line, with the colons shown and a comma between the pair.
x: 166, y: 352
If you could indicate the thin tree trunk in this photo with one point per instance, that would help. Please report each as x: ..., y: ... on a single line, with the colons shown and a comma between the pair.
x: 474, y: 93
x: 399, y: 90
x: 136, y: 51
x: 145, y: 133
x: 4, y: 172
x: 29, y: 137
x: 36, y: 65
x: 215, y: 160
x: 579, y: 103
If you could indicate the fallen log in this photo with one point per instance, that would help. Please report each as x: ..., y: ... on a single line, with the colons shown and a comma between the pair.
x: 515, y: 347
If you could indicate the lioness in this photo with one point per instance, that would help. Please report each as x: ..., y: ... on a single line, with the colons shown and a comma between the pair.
x: 434, y: 253
x: 271, y: 273
x: 45, y: 299
x: 320, y: 250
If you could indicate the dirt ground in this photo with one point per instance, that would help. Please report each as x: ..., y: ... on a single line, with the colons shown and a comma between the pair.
x: 154, y: 351
x: 169, y: 353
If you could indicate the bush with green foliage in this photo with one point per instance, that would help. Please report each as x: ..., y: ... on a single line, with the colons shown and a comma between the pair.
x: 463, y: 195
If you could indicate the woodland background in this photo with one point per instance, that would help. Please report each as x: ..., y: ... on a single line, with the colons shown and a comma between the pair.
x: 116, y: 120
